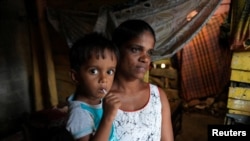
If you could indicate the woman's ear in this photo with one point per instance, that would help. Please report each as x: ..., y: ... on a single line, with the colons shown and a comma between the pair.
x: 74, y: 76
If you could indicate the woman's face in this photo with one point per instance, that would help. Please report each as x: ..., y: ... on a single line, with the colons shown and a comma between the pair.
x: 136, y: 56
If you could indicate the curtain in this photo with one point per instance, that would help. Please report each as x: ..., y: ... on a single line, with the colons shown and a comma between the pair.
x: 240, y: 25
x: 168, y: 18
x: 204, y: 63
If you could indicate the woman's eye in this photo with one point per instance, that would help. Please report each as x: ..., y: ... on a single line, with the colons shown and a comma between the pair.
x: 150, y: 52
x: 93, y: 71
x: 135, y: 50
x: 111, y: 72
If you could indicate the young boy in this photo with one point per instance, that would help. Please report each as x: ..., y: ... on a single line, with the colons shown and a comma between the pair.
x: 92, y: 109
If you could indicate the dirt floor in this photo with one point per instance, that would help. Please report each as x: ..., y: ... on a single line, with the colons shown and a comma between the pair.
x: 194, y: 125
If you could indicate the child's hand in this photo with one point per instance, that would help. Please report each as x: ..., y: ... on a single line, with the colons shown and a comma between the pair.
x: 111, y: 104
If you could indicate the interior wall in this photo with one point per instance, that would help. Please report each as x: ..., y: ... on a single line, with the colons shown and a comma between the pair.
x: 14, y: 65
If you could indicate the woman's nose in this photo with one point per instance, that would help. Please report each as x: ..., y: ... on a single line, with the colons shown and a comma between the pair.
x: 145, y: 58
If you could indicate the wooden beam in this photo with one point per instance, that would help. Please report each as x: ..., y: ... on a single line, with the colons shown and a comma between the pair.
x: 37, y: 81
x: 50, y: 71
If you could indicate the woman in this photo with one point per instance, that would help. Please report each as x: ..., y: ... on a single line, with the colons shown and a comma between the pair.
x: 144, y: 114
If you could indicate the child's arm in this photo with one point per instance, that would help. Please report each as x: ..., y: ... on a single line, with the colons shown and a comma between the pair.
x: 110, y: 106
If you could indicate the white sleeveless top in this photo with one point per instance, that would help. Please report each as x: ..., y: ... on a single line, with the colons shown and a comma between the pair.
x: 143, y: 124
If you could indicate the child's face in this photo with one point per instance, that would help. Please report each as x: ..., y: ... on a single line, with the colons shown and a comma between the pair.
x: 97, y: 75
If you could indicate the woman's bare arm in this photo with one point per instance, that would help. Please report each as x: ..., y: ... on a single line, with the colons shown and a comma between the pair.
x: 167, y: 129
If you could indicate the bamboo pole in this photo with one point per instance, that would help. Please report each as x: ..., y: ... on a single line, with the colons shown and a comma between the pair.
x: 49, y: 64
x: 37, y: 81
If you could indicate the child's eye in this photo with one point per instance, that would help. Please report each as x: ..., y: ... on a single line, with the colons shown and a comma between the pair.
x: 111, y: 72
x: 93, y: 71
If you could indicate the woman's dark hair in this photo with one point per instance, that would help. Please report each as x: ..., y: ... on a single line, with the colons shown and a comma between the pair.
x: 83, y: 49
x: 130, y: 29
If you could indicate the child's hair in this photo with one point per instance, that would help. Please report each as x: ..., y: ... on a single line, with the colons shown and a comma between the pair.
x: 130, y: 29
x: 83, y: 49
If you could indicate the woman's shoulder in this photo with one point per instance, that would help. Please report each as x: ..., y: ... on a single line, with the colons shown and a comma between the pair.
x: 156, y: 89
x: 152, y: 85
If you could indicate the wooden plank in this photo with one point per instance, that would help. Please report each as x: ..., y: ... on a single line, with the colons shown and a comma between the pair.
x: 231, y: 111
x: 157, y: 81
x: 170, y: 73
x: 240, y: 76
x: 37, y: 80
x: 241, y: 105
x: 172, y: 94
x: 50, y: 72
x: 158, y: 72
x: 167, y: 62
x: 239, y: 93
x: 240, y: 60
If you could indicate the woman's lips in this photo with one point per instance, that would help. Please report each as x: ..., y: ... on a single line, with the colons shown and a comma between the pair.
x: 141, y: 69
